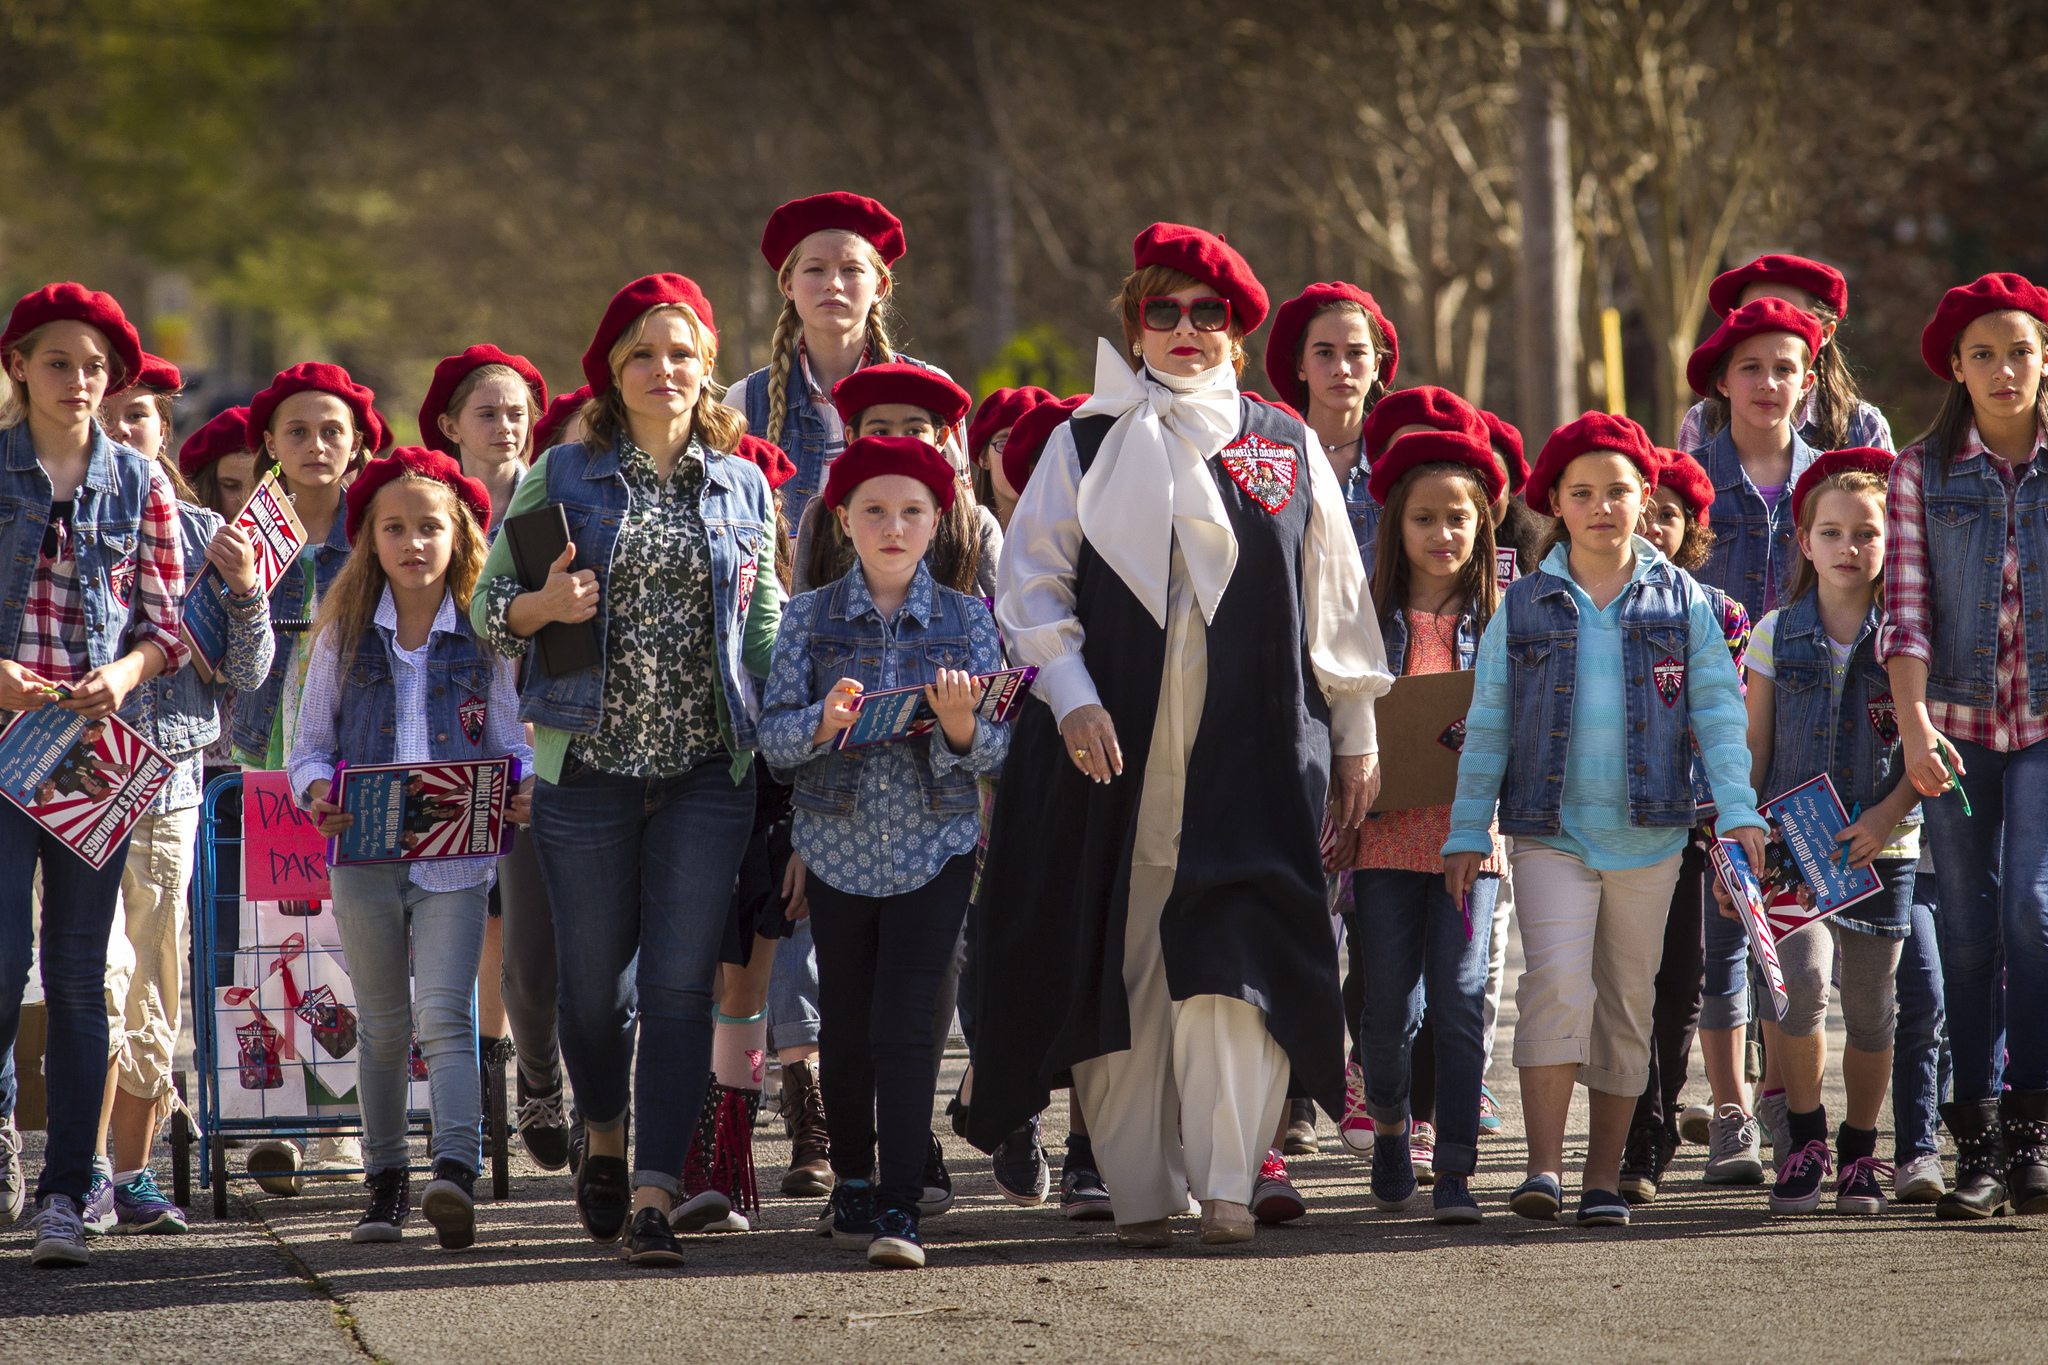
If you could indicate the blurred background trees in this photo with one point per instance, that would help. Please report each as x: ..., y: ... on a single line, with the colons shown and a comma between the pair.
x: 382, y: 183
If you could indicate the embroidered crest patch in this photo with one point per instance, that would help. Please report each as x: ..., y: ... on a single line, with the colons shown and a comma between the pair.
x: 1507, y: 566
x: 1884, y: 718
x: 1264, y: 469
x: 1669, y: 675
x: 1453, y: 737
x: 750, y: 573
x: 470, y: 714
x: 121, y: 581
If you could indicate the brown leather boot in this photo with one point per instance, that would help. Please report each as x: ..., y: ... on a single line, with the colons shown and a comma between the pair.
x: 803, y: 1115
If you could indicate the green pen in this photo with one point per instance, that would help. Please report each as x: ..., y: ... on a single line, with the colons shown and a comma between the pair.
x: 1953, y: 775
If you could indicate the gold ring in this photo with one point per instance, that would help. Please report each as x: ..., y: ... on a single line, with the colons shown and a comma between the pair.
x: 1080, y: 753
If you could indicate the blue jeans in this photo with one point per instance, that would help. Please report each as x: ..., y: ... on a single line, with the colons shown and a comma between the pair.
x: 1916, y: 1052
x: 1724, y: 997
x: 1993, y: 871
x: 1421, y: 954
x: 78, y: 915
x: 793, y: 991
x: 412, y: 956
x: 640, y: 871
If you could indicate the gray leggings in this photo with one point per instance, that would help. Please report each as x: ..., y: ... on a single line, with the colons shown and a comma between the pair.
x: 527, y: 983
x: 1870, y: 971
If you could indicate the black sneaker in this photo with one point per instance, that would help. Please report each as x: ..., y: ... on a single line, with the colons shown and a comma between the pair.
x: 543, y: 1124
x: 579, y: 1140
x: 1800, y: 1178
x: 450, y: 1203
x: 1649, y: 1151
x: 1083, y: 1197
x: 1602, y: 1209
x: 1018, y: 1163
x: 938, y: 1183
x: 390, y: 1202
x: 895, y: 1244
x: 604, y: 1196
x: 652, y: 1241
x: 848, y: 1217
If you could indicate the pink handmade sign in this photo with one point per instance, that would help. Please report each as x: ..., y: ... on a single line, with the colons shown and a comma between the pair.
x: 283, y: 856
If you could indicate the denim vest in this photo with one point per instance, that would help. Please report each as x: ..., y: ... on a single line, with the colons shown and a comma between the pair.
x: 803, y: 436
x: 1964, y: 513
x: 863, y: 649
x: 256, y: 712
x: 1750, y: 538
x: 1855, y: 743
x: 458, y: 675
x: 184, y: 708
x: 1364, y: 515
x: 738, y: 513
x: 106, y: 528
x: 1702, y: 789
x: 1394, y: 631
x: 1542, y: 676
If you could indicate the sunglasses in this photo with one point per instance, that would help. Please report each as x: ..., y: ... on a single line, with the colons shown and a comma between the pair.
x: 1160, y: 314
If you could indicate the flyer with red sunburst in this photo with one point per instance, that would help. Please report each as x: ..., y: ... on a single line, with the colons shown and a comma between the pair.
x: 418, y: 812
x: 87, y: 782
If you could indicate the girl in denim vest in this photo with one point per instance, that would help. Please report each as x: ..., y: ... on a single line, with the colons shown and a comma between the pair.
x: 888, y: 831
x: 1331, y: 356
x: 1436, y: 590
x: 1593, y: 679
x: 1819, y: 703
x: 89, y: 532
x: 396, y: 675
x: 1967, y: 653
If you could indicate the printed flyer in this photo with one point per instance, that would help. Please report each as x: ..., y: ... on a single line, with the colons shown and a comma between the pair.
x: 87, y: 782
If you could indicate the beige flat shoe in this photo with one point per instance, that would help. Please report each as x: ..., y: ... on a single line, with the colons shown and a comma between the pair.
x: 1146, y: 1236
x: 1224, y: 1222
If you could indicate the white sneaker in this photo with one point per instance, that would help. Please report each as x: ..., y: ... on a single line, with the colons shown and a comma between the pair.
x: 59, y: 1234
x: 1693, y: 1124
x: 275, y: 1163
x: 1775, y: 1114
x: 13, y: 1193
x: 1734, y: 1156
x: 1356, y: 1127
x: 337, y: 1160
x: 1919, y: 1181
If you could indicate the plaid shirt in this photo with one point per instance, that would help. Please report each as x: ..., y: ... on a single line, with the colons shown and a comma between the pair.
x: 52, y: 641
x: 1908, y: 599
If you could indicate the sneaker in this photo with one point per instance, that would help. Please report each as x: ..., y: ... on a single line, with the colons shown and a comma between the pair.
x: 1301, y: 1129
x: 99, y: 1214
x: 1735, y: 1156
x: 59, y: 1235
x: 1422, y: 1152
x: 12, y: 1191
x: 938, y: 1183
x: 139, y: 1206
x: 1602, y: 1209
x: 1018, y: 1163
x: 1776, y: 1117
x: 1083, y: 1198
x: 1695, y: 1125
x: 1800, y: 1177
x: 1356, y: 1129
x: 1453, y: 1201
x: 336, y: 1159
x: 704, y: 1212
x: 1539, y: 1198
x: 652, y: 1242
x: 1918, y: 1180
x: 579, y: 1140
x: 543, y: 1124
x: 275, y: 1163
x: 390, y: 1202
x: 450, y: 1203
x: 1643, y: 1161
x: 1856, y: 1186
x: 1274, y: 1198
x: 895, y: 1244
x: 1393, y: 1170
x: 603, y: 1196
x: 849, y: 1215
x: 1489, y: 1110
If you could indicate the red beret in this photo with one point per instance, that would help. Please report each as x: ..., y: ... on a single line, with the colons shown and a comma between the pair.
x: 649, y: 291
x: 448, y: 377
x: 227, y: 434
x: 897, y: 382
x: 999, y: 410
x: 314, y: 377
x: 1865, y: 459
x: 557, y: 416
x: 1029, y: 435
x: 59, y: 302
x: 768, y: 457
x: 157, y: 374
x: 1293, y: 319
x: 873, y: 456
x: 1206, y: 257
x: 1966, y: 303
x: 835, y: 212
x: 1824, y: 282
x: 1506, y: 441
x: 1432, y: 447
x: 1680, y: 474
x: 415, y: 460
x: 1425, y: 405
x: 1596, y: 431
x: 1752, y: 319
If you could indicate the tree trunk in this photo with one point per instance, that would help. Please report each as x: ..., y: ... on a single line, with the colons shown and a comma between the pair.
x: 1547, y: 287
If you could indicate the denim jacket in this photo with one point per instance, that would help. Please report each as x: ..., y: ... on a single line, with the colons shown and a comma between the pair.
x: 1394, y: 631
x: 256, y: 712
x: 739, y: 525
x: 106, y: 526
x: 1855, y: 742
x: 458, y: 687
x: 1364, y: 515
x: 1964, y: 513
x: 1752, y: 540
